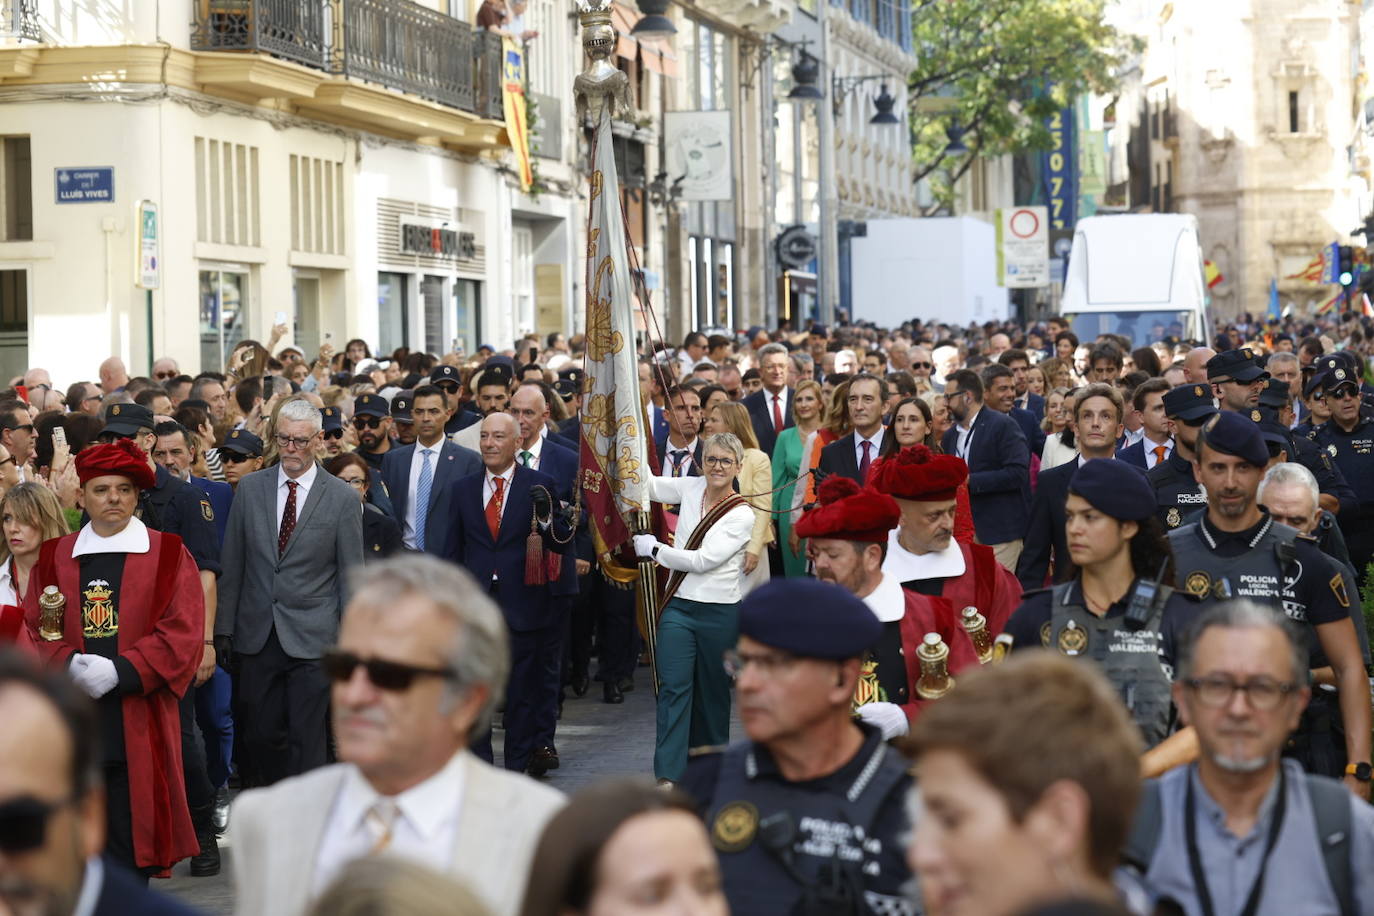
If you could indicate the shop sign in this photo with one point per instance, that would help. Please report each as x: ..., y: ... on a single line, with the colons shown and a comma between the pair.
x: 417, y: 238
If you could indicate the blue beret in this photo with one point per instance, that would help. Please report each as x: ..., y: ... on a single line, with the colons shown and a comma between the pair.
x: 1237, y: 435
x: 1117, y: 488
x: 809, y: 618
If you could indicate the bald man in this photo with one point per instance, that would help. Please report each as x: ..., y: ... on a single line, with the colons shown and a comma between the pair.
x: 113, y: 375
x: 1195, y: 364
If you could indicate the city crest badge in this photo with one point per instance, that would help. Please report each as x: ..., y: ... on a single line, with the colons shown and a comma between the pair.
x: 1198, y: 583
x: 99, y: 616
x: 735, y: 826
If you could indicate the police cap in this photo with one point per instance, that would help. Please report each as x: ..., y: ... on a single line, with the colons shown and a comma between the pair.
x: 1191, y: 403
x: 331, y: 418
x: 400, y: 406
x: 1275, y: 394
x: 809, y: 618
x: 1235, y: 364
x: 1237, y: 435
x: 1117, y: 488
x: 442, y: 373
x: 127, y: 419
x: 1315, y: 385
x: 245, y: 443
x: 1275, y: 433
x: 371, y: 405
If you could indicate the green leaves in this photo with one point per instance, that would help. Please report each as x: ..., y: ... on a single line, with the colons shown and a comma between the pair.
x: 995, y: 69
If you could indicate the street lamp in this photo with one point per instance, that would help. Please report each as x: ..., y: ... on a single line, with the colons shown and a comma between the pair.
x: 654, y: 24
x: 955, y: 132
x: 884, y: 103
x: 805, y: 73
x: 842, y: 86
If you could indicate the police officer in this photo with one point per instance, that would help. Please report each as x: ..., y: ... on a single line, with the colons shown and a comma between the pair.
x: 1118, y: 609
x: 1177, y: 494
x: 173, y: 506
x: 1318, y: 411
x: 1348, y: 440
x: 450, y: 381
x: 1275, y: 411
x: 1236, y: 379
x: 403, y: 422
x: 807, y: 815
x: 372, y: 422
x: 1237, y: 551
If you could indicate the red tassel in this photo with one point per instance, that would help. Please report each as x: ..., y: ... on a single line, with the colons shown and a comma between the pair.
x: 534, y: 558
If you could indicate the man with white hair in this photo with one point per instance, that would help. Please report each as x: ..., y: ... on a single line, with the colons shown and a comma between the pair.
x: 946, y: 364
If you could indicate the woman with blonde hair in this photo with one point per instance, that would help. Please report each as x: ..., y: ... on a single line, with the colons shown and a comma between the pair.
x: 384, y: 885
x: 755, y: 482
x: 787, y: 455
x: 834, y: 426
x: 29, y: 515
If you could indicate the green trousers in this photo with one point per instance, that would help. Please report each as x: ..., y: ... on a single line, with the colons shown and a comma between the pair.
x: 694, y: 690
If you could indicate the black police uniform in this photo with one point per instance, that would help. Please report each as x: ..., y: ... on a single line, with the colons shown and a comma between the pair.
x: 1353, y: 453
x: 1176, y: 490
x: 1138, y: 662
x: 381, y: 534
x: 1273, y: 564
x: 832, y: 846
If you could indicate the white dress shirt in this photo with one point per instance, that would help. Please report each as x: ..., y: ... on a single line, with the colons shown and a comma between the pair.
x: 714, y: 571
x: 303, y: 485
x: 965, y: 437
x: 783, y: 404
x: 132, y: 539
x: 92, y: 881
x: 1134, y: 436
x: 417, y: 460
x: 875, y: 445
x: 425, y: 830
x: 1150, y: 459
x: 535, y: 450
x: 489, y: 488
x: 669, y: 448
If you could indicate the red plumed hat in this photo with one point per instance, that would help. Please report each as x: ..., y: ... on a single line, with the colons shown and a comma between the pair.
x: 120, y: 457
x: 919, y: 474
x: 849, y: 513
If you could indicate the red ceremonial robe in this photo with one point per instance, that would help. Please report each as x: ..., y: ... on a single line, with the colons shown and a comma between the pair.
x: 919, y: 615
x: 161, y: 633
x: 984, y: 583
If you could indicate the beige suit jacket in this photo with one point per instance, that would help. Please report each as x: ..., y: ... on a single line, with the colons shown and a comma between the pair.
x: 276, y: 834
x: 469, y: 436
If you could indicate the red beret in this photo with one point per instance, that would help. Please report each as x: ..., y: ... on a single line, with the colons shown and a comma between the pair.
x: 848, y: 513
x: 120, y: 457
x: 918, y: 473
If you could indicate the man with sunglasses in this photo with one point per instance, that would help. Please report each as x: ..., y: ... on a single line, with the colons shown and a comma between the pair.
x: 419, y: 666
x: 165, y: 369
x: 450, y: 381
x: 1243, y: 830
x: 1236, y: 379
x: 1348, y: 440
x: 52, y: 814
x: 241, y: 454
x: 1176, y: 489
x: 16, y: 434
x: 372, y: 421
x: 131, y: 638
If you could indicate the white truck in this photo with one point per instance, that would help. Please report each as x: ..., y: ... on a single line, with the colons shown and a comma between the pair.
x: 1137, y: 275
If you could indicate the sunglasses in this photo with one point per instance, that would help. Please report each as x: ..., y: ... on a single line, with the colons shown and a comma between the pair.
x: 923, y: 365
x: 1340, y: 394
x: 165, y: 375
x: 333, y: 433
x: 447, y: 387
x: 367, y: 422
x: 26, y: 427
x: 235, y: 457
x: 24, y: 823
x: 396, y: 676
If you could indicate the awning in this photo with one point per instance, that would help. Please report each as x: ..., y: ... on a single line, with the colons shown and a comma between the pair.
x: 657, y: 57
x: 624, y: 19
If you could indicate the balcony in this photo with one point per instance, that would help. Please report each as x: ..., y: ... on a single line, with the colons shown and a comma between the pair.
x: 393, y: 43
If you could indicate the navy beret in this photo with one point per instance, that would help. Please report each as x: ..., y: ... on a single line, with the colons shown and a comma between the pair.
x: 809, y: 618
x: 243, y: 442
x: 331, y: 419
x: 1117, y: 488
x: 1235, y: 364
x: 1190, y: 402
x: 1237, y: 435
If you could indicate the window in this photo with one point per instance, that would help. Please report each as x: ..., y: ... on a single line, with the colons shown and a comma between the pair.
x: 393, y: 312
x: 14, y: 301
x: 317, y: 205
x: 467, y: 315
x: 1293, y: 123
x: 226, y: 193
x: 16, y: 190
x: 223, y: 313
x: 432, y: 298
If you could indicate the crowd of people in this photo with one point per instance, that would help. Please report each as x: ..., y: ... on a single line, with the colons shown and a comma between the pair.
x: 888, y: 552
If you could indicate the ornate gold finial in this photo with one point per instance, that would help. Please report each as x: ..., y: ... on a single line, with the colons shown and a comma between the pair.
x: 601, y: 87
x: 594, y: 12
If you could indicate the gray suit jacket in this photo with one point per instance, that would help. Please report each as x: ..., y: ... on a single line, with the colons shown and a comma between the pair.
x: 502, y: 817
x: 302, y: 592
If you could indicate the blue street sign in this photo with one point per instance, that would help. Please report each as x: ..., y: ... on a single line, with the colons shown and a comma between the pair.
x: 85, y: 185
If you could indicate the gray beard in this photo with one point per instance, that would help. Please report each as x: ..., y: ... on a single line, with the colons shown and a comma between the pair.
x: 1232, y: 765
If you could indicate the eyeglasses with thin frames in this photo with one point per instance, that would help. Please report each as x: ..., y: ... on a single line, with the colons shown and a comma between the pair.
x: 298, y: 442
x: 1263, y: 693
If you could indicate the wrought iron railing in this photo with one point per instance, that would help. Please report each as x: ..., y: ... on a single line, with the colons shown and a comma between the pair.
x: 19, y: 20
x: 396, y: 43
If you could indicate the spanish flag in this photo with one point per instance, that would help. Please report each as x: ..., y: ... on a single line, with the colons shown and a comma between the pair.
x: 1312, y: 273
x: 1212, y: 273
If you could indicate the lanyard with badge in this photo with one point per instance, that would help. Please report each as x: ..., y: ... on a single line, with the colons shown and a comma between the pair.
x: 1204, y: 894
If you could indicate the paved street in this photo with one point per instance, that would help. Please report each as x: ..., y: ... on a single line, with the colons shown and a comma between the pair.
x: 595, y: 742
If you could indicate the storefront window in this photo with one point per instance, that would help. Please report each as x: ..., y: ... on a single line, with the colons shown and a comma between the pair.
x: 223, y: 314
x: 432, y: 299
x: 393, y: 313
x: 467, y: 310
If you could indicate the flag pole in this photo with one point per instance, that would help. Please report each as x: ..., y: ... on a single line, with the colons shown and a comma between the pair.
x: 647, y: 596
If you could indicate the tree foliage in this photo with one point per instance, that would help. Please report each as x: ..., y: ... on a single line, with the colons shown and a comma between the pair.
x: 995, y: 70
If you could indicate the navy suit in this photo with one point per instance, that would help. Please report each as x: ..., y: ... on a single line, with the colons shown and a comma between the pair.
x: 999, y: 476
x: 121, y: 894
x: 840, y: 457
x: 760, y: 407
x: 1133, y: 454
x: 531, y: 612
x: 659, y: 421
x: 1046, y: 528
x: 1030, y: 428
x: 1035, y: 405
x: 662, y: 448
x: 452, y: 462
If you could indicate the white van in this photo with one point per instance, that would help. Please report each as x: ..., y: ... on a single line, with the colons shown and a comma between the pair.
x: 1137, y: 275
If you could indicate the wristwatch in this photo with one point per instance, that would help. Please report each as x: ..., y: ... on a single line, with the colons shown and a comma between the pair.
x: 653, y: 555
x: 1361, y: 771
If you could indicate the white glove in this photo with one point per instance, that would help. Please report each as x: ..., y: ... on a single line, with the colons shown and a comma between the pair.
x: 97, y: 675
x: 888, y: 718
x: 645, y: 544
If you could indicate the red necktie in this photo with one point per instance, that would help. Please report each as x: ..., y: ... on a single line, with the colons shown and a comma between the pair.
x: 494, y: 506
x: 777, y: 414
x: 863, y: 464
x: 288, y: 517
x: 1159, y: 451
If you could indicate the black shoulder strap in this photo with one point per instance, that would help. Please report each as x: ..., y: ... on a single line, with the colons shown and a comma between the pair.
x: 1331, y: 811
x: 1149, y: 820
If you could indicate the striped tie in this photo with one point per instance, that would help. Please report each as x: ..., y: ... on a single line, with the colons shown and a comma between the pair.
x: 422, y: 498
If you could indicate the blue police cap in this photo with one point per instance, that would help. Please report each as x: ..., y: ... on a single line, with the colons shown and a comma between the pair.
x: 330, y: 419
x: 442, y: 373
x: 1190, y: 402
x: 371, y: 405
x: 127, y: 419
x: 1235, y: 364
x: 1117, y: 488
x: 243, y: 442
x: 809, y: 618
x: 1275, y: 394
x: 1315, y: 384
x: 1237, y: 435
x: 1275, y: 433
x: 400, y: 406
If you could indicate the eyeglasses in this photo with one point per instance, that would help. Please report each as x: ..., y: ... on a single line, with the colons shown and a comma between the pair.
x: 361, y: 423
x: 26, y: 427
x: 1263, y: 693
x: 447, y: 387
x: 24, y: 823
x: 1344, y: 393
x: 333, y: 433
x: 714, y: 461
x: 234, y: 457
x: 296, y: 441
x: 94, y: 397
x: 770, y: 665
x: 923, y: 365
x: 397, y: 676
x: 357, y: 483
x: 164, y: 375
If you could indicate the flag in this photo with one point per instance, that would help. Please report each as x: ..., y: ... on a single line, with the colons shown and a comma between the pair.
x: 1368, y: 308
x: 1274, y: 299
x: 1212, y: 273
x: 1329, y: 304
x: 1312, y: 273
x: 513, y: 103
x: 615, y: 467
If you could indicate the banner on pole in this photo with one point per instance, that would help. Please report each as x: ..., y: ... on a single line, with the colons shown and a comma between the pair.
x: 513, y: 100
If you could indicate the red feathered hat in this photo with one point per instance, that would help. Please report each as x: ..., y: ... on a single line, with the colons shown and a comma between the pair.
x: 120, y: 457
x: 848, y: 513
x: 918, y: 473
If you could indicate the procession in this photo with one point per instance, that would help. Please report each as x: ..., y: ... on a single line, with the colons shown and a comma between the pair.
x: 821, y: 591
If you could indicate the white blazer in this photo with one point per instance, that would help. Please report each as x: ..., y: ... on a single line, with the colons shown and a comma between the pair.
x: 277, y: 833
